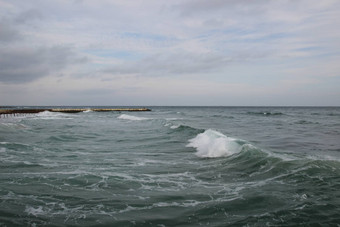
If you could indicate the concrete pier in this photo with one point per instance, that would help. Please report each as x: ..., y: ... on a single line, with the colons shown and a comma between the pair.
x: 14, y: 112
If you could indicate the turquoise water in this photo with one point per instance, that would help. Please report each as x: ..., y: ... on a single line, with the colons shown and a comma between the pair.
x: 174, y: 166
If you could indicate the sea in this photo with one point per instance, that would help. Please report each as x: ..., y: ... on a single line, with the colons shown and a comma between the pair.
x: 172, y: 166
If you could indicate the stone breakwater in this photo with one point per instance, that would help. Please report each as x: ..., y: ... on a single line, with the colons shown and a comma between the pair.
x: 14, y: 112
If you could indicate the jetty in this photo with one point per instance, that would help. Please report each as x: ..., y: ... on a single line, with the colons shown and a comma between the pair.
x: 15, y: 112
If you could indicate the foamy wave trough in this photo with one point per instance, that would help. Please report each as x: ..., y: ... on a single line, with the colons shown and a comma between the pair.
x: 213, y: 144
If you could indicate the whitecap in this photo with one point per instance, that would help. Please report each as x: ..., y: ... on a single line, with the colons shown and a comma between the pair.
x: 212, y: 144
x: 47, y: 115
x: 172, y: 126
x: 131, y: 118
x: 175, y: 126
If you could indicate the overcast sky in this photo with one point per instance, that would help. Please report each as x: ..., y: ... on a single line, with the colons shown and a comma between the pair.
x: 178, y: 52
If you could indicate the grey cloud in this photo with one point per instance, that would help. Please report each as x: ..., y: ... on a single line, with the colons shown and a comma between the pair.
x: 78, y: 1
x: 29, y: 15
x: 25, y: 65
x: 191, y: 7
x: 8, y: 33
x: 92, y: 92
x: 199, y: 5
x: 20, y: 63
x: 176, y: 63
x: 10, y: 26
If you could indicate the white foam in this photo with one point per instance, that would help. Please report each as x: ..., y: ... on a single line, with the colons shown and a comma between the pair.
x: 172, y: 126
x: 173, y: 119
x: 87, y: 111
x: 47, y: 115
x: 212, y: 144
x: 34, y: 211
x: 131, y: 118
x: 175, y: 126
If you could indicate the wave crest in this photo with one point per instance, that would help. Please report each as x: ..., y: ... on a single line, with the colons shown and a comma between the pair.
x: 131, y: 118
x: 265, y: 113
x: 213, y: 144
x: 47, y: 115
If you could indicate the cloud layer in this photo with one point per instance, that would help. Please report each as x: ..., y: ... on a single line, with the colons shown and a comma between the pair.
x: 22, y: 65
x: 258, y: 52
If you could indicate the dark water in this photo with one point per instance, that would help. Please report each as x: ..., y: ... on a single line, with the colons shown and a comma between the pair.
x: 174, y: 166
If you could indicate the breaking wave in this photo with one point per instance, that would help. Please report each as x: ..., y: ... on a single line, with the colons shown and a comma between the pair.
x: 213, y: 144
x: 131, y: 118
x: 47, y: 115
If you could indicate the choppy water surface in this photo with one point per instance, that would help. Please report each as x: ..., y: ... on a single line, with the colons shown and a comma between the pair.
x: 174, y: 166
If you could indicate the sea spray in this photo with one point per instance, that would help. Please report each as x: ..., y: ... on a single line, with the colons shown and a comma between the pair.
x: 212, y: 144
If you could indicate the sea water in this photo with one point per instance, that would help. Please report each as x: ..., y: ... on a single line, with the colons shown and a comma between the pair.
x: 173, y: 166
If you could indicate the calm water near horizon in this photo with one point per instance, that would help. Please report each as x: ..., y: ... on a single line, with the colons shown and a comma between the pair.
x: 173, y: 166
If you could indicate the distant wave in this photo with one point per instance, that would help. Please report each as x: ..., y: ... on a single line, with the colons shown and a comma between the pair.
x: 131, y: 118
x: 173, y: 119
x: 222, y: 116
x: 212, y: 144
x: 15, y: 146
x: 12, y: 125
x: 20, y: 164
x: 47, y: 115
x: 333, y: 114
x: 325, y: 114
x: 182, y: 129
x: 304, y: 122
x: 265, y: 113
